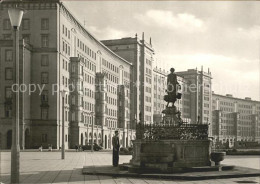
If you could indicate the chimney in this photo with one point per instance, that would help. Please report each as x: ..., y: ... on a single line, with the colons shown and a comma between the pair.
x: 229, y: 95
x: 248, y: 98
x: 143, y: 36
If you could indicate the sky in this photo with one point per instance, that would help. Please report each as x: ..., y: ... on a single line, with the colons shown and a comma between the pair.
x: 221, y: 35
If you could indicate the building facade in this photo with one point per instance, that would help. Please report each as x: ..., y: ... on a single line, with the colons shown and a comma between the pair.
x: 107, y: 85
x: 59, y: 53
x: 235, y: 121
x: 141, y: 54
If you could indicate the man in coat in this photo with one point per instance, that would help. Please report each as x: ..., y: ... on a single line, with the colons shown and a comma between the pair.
x: 116, y: 146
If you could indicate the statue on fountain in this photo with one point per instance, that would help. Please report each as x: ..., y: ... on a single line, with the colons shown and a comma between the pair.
x: 171, y: 113
x: 172, y: 88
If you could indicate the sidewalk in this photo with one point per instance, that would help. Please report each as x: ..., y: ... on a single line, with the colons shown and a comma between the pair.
x: 47, y: 167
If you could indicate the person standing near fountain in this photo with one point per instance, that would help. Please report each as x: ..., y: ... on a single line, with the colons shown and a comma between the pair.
x: 116, y: 146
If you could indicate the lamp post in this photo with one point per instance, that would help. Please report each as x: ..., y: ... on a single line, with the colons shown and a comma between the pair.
x: 15, y: 15
x: 63, y: 93
x: 92, y: 131
x: 127, y: 134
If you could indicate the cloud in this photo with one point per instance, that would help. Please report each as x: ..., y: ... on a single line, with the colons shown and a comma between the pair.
x: 166, y: 19
x: 249, y: 33
x: 107, y: 32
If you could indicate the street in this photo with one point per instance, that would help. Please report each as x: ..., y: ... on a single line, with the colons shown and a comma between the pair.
x: 47, y: 167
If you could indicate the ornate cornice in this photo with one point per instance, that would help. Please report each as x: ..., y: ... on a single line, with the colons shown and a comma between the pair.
x: 30, y: 4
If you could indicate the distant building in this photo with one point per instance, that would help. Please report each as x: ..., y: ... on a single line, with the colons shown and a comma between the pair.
x: 235, y: 121
x: 198, y: 95
x: 140, y: 54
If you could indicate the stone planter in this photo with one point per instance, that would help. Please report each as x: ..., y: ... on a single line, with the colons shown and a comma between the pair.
x: 217, y: 157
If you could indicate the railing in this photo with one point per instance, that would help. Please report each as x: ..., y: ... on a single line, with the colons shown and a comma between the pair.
x: 166, y: 131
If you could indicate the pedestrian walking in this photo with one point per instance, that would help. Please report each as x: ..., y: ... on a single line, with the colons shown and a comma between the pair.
x: 50, y: 147
x: 40, y: 148
x: 116, y: 146
x: 76, y: 148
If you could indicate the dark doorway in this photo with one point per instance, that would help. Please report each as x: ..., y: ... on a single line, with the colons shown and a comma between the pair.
x: 0, y: 141
x: 9, y: 139
x: 27, y: 139
x: 81, y: 141
x: 105, y: 141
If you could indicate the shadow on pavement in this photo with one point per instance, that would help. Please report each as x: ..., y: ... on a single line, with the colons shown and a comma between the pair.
x: 74, y: 175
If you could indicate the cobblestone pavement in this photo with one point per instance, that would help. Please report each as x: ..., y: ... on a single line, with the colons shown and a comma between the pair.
x: 47, y: 167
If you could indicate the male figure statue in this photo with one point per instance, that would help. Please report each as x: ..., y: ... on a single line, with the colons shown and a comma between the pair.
x: 172, y: 84
x: 116, y: 146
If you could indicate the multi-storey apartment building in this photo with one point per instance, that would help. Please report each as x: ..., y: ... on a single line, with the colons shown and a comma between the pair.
x: 7, y: 60
x: 111, y: 84
x: 140, y: 54
x: 159, y: 87
x: 199, y: 93
x: 235, y: 120
x: 59, y: 53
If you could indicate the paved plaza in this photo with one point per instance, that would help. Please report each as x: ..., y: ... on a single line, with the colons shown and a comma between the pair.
x: 47, y: 167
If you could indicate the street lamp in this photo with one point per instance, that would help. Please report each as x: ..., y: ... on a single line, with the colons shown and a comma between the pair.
x: 63, y: 93
x: 15, y: 15
x: 92, y: 131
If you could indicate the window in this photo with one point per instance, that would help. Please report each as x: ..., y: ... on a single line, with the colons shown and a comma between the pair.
x: 7, y: 36
x: 73, y: 68
x: 73, y: 117
x: 44, y: 78
x: 45, y: 24
x: 45, y: 40
x: 8, y: 92
x: 66, y: 116
x: 45, y: 60
x: 8, y: 110
x: 6, y: 24
x: 73, y: 100
x: 26, y: 38
x: 44, y: 113
x: 45, y: 96
x: 8, y: 74
x: 8, y: 55
x: 26, y: 24
x: 44, y: 138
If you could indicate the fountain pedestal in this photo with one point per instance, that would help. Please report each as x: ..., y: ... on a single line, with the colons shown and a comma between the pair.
x: 170, y: 155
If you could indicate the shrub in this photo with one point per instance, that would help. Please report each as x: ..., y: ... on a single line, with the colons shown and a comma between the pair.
x: 125, y: 150
x: 130, y: 149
